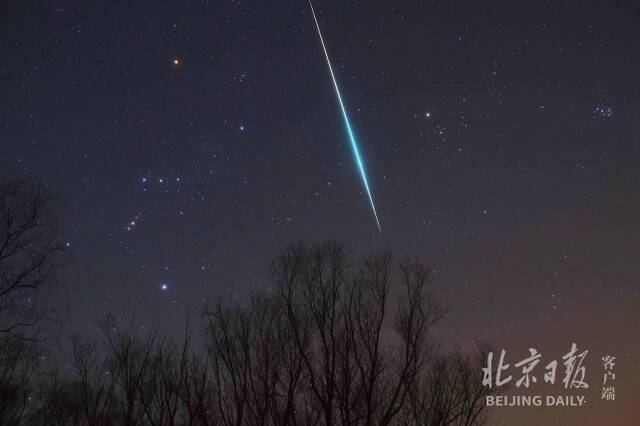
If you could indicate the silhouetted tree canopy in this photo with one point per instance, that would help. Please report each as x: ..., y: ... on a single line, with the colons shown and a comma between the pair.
x: 329, y: 342
x: 30, y: 257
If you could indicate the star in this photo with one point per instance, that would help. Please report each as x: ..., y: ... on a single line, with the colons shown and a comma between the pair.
x: 133, y: 223
x: 164, y: 287
x: 176, y: 61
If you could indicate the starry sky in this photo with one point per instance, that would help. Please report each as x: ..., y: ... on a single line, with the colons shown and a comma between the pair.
x: 190, y: 141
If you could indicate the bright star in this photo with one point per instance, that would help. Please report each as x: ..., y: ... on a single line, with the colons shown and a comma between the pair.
x: 164, y: 287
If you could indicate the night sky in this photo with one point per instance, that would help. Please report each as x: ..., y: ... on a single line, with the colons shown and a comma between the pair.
x: 190, y: 141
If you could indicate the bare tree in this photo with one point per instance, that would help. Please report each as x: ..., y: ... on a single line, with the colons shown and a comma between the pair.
x: 18, y: 363
x: 31, y: 257
x: 95, y: 384
x: 450, y: 392
x: 331, y: 342
x: 30, y: 263
x: 349, y: 352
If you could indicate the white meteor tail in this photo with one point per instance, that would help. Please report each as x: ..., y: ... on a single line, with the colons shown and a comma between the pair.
x: 352, y: 138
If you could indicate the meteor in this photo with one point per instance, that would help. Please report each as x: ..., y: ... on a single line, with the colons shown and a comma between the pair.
x: 345, y: 116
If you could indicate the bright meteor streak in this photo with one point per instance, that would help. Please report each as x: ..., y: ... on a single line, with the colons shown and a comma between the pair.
x: 352, y: 138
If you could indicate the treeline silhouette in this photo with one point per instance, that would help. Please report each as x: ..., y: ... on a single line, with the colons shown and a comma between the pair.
x: 331, y: 341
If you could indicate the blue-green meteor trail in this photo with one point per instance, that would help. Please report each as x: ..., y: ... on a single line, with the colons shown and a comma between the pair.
x: 352, y: 138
